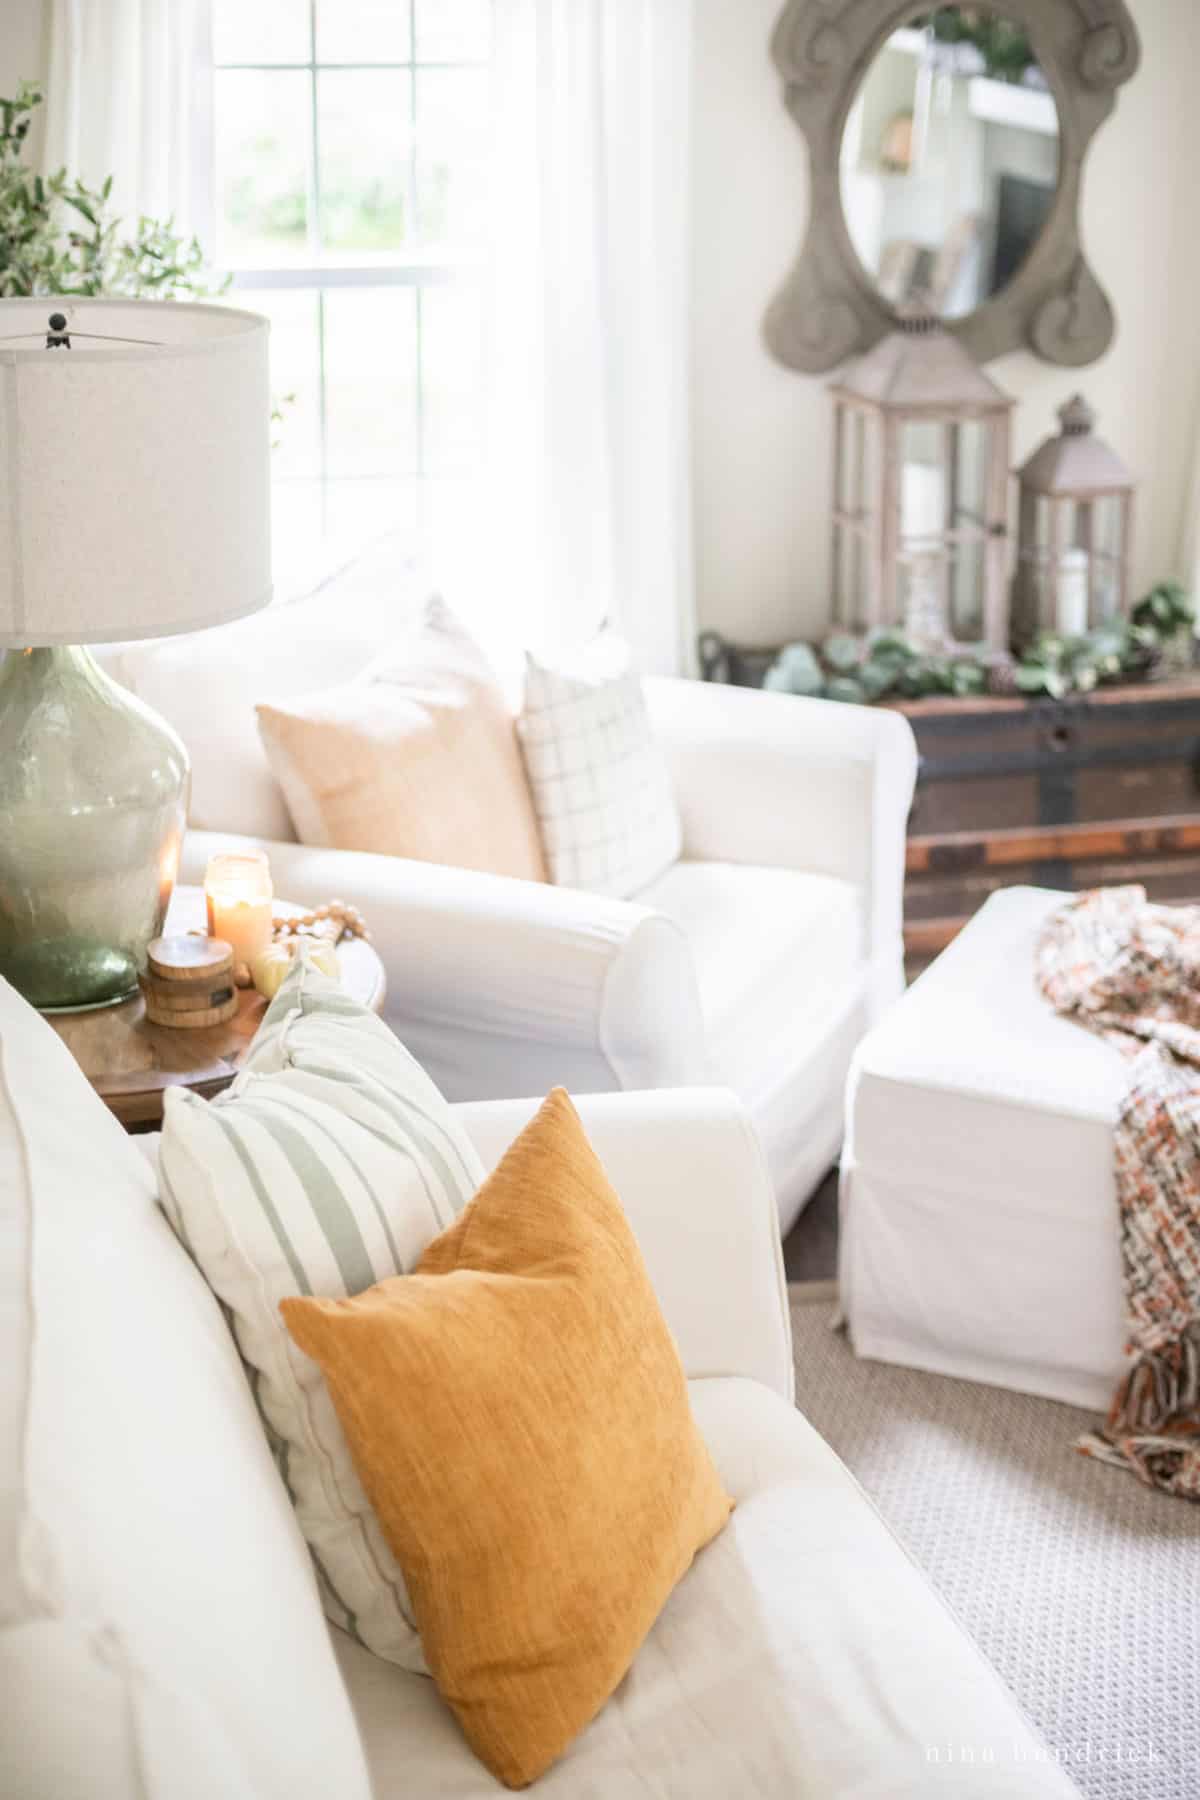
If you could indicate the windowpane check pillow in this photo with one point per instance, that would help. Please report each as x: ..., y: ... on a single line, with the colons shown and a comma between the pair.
x: 601, y: 788
x: 328, y: 1166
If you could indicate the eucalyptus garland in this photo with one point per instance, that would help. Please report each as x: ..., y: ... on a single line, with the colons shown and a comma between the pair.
x: 887, y: 666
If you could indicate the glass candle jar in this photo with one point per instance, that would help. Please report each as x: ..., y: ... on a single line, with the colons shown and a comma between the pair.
x: 239, y: 896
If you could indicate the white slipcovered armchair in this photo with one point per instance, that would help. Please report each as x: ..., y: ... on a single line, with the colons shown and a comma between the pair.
x: 756, y: 962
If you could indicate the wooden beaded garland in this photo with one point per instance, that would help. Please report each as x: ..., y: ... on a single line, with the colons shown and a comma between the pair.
x: 324, y: 924
x: 333, y: 921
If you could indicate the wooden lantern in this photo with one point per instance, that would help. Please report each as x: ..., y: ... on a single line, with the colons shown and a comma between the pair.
x: 1075, y: 537
x: 921, y: 470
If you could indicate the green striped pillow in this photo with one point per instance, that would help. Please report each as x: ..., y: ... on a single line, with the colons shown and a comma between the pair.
x: 330, y: 1164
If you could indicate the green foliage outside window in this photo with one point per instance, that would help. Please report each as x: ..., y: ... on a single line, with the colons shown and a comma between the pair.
x: 1005, y: 47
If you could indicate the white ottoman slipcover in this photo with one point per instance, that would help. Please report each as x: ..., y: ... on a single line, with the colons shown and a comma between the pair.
x: 979, y: 1225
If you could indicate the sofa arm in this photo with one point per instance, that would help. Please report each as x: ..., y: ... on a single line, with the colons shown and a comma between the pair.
x: 785, y: 782
x: 694, y: 1184
x: 504, y: 987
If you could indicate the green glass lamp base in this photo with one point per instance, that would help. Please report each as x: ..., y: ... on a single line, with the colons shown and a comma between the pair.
x: 93, y: 800
x: 93, y: 975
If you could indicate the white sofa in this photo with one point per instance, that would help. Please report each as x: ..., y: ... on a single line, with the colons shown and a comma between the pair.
x: 160, y: 1633
x: 758, y: 961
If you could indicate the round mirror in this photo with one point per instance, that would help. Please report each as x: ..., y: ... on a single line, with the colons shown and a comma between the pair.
x: 949, y: 160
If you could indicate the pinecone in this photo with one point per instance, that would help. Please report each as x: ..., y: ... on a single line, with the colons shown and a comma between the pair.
x: 1147, y: 661
x: 1001, y: 680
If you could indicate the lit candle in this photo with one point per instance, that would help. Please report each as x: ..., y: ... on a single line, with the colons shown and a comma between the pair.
x: 238, y: 894
x: 1071, y: 611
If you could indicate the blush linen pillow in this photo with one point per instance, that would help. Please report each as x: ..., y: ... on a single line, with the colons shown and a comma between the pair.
x: 415, y: 757
x: 519, y: 1416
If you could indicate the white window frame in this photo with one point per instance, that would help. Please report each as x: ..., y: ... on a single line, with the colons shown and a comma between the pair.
x: 417, y: 269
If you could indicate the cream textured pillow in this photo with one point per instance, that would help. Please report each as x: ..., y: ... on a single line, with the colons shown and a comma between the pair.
x: 600, y: 781
x: 328, y: 1166
x: 415, y: 757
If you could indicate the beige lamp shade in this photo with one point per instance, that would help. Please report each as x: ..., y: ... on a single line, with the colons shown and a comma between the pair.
x: 134, y: 469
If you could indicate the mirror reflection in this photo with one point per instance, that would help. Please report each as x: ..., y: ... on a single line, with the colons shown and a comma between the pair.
x: 949, y: 160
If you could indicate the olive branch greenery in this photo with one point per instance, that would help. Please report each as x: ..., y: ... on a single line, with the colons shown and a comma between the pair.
x: 59, y: 236
x: 887, y: 665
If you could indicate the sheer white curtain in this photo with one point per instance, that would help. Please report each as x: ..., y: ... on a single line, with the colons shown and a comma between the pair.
x: 588, y: 359
x: 129, y: 94
x: 1189, y: 550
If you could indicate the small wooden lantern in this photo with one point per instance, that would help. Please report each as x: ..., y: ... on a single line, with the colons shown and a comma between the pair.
x: 921, y: 469
x: 1075, y: 539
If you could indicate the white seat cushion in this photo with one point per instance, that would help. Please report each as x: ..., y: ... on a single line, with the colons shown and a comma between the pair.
x: 783, y: 985
x: 765, y: 942
x: 980, y: 1226
x: 781, y: 1668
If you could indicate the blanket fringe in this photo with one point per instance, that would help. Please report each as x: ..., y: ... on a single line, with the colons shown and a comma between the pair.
x: 1153, y: 1424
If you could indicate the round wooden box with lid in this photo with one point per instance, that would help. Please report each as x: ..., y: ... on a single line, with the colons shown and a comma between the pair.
x: 131, y: 1059
x: 189, y: 982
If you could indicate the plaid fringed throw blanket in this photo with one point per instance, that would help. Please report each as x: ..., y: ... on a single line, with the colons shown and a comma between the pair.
x: 1131, y: 972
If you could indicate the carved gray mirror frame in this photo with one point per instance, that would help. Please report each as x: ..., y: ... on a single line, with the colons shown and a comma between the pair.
x: 828, y: 308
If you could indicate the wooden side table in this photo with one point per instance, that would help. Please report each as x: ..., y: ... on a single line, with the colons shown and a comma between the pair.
x: 131, y: 1062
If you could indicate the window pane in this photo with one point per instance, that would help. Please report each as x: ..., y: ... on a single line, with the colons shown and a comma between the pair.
x: 262, y: 135
x: 358, y: 513
x: 371, y: 381
x: 295, y: 376
x: 365, y: 138
x: 261, y: 31
x: 454, y: 30
x: 453, y: 128
x: 320, y: 526
x: 451, y: 364
x: 363, y: 31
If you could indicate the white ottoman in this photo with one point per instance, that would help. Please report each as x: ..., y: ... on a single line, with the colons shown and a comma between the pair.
x: 979, y: 1225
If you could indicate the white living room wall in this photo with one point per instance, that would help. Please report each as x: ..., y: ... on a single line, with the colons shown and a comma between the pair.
x: 24, y: 50
x: 762, y: 433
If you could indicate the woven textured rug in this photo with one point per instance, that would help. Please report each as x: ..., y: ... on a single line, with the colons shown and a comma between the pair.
x: 1080, y: 1585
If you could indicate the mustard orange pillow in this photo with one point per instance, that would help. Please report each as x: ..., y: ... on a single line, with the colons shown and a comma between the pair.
x: 417, y: 757
x: 519, y: 1417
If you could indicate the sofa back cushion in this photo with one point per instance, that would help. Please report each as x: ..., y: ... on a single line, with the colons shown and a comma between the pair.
x: 207, y: 685
x: 160, y: 1632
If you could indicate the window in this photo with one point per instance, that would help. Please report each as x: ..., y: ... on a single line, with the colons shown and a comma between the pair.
x: 351, y: 152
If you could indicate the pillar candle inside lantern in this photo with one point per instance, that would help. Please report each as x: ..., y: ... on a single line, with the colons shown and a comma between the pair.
x: 238, y: 895
x: 922, y: 502
x: 1072, y: 608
